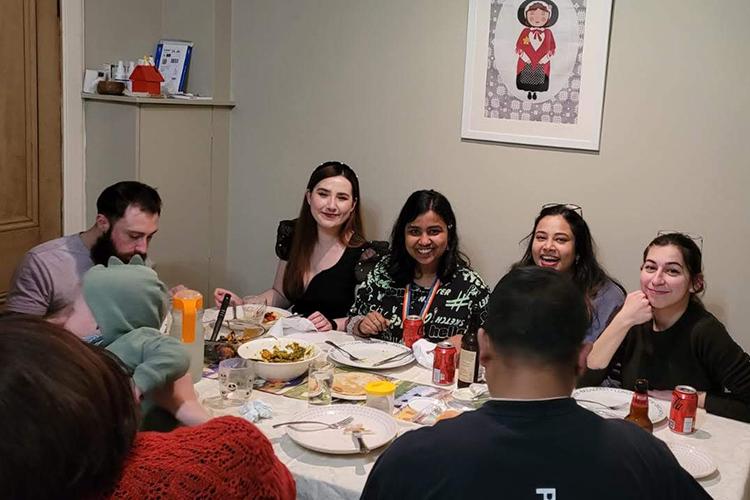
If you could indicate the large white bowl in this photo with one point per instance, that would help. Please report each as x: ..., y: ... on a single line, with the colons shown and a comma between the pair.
x: 280, y: 372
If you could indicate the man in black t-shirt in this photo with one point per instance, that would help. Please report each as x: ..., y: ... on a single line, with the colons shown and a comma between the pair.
x: 531, y: 440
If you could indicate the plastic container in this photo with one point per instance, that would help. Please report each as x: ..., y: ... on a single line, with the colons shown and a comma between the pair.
x: 187, y: 311
x: 380, y: 395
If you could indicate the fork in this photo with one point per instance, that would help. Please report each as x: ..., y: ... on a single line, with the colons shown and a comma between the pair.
x: 351, y: 356
x: 609, y: 407
x: 335, y: 425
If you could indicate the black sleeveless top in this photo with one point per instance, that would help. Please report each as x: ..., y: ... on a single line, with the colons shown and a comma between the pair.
x: 331, y: 292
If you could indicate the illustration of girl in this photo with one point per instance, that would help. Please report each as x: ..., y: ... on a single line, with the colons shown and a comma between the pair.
x: 535, y: 46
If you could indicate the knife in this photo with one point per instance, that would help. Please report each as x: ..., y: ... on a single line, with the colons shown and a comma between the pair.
x: 392, y: 358
x: 357, y: 436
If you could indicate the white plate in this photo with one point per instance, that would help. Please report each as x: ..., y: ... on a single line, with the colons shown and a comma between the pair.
x: 697, y: 463
x: 380, y: 429
x: 612, y: 396
x: 209, y: 319
x: 371, y: 352
x: 282, y: 313
x: 421, y: 404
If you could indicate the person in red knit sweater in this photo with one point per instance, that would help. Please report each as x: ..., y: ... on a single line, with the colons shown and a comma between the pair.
x: 69, y: 430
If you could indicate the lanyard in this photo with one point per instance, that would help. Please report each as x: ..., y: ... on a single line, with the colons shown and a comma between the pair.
x: 427, y: 303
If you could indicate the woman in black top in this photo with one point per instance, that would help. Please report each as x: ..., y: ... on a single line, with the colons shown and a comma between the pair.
x: 320, y: 251
x: 664, y: 334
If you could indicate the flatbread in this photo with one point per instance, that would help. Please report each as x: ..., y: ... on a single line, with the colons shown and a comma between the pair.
x: 353, y: 383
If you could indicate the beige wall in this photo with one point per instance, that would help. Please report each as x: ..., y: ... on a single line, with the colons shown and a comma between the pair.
x: 379, y: 85
x: 128, y: 30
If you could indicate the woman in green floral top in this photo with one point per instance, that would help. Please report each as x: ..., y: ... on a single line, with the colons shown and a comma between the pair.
x: 425, y: 274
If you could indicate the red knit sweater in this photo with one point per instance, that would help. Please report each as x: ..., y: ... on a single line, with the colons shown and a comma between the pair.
x: 225, y: 458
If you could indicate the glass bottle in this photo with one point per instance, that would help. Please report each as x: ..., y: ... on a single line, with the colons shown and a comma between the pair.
x: 639, y: 406
x: 469, y: 371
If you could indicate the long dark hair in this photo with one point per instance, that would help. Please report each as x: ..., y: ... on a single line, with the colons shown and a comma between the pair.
x: 306, y: 229
x: 588, y: 275
x: 401, y: 266
x: 67, y: 413
x: 692, y: 256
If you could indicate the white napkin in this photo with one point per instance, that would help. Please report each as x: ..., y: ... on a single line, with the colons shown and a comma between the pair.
x: 424, y: 352
x: 287, y: 326
x: 255, y: 410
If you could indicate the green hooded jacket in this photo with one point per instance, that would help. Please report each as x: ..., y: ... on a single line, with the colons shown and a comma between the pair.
x: 129, y: 303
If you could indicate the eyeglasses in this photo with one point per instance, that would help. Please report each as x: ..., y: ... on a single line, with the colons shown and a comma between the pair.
x: 570, y: 206
x: 697, y: 238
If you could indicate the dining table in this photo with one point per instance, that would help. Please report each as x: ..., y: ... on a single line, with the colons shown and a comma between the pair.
x: 319, y: 475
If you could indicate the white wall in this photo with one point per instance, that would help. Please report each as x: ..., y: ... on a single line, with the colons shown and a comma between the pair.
x: 379, y: 85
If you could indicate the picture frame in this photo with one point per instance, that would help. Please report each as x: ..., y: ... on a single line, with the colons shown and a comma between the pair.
x: 536, y: 78
x: 173, y: 61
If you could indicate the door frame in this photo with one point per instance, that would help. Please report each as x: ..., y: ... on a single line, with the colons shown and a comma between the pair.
x: 73, y: 136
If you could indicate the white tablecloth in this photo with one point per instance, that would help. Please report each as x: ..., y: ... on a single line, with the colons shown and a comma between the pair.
x: 319, y: 476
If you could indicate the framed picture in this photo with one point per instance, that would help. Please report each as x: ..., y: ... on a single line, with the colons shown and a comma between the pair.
x: 173, y: 62
x: 535, y: 71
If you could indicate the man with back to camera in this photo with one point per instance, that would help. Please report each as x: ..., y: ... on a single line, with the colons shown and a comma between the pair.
x: 531, y: 440
x: 48, y: 278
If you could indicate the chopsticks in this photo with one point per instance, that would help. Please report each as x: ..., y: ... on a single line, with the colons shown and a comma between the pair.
x: 220, y: 316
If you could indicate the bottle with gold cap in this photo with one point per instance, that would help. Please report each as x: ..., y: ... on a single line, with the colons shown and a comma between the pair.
x: 187, y: 312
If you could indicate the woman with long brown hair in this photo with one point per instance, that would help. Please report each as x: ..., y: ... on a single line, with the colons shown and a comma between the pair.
x: 320, y: 251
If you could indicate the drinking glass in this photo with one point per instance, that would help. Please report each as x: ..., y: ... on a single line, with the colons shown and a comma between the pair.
x: 236, y: 377
x: 319, y: 382
x: 254, y: 308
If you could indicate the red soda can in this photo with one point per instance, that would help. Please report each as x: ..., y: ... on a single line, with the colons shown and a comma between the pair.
x: 413, y: 330
x: 683, y: 410
x: 444, y: 364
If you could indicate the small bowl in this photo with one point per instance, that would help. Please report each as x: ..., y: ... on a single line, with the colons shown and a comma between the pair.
x: 110, y: 87
x: 276, y: 372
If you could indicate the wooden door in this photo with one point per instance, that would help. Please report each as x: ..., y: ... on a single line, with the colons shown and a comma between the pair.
x: 30, y: 130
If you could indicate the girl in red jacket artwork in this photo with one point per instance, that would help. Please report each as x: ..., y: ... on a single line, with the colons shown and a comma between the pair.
x: 535, y: 46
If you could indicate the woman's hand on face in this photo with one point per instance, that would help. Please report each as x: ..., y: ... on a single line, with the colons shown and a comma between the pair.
x: 372, y: 324
x: 219, y: 296
x: 320, y: 322
x: 636, y: 309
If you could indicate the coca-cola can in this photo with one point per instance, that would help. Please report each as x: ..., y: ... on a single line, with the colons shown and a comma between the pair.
x: 444, y: 364
x: 683, y: 410
x: 413, y: 330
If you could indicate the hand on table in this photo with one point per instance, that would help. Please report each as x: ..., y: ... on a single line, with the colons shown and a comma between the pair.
x: 320, y: 322
x: 219, y: 293
x: 372, y: 324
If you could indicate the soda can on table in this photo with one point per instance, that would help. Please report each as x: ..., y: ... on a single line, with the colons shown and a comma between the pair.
x: 683, y: 410
x: 444, y: 364
x: 413, y: 330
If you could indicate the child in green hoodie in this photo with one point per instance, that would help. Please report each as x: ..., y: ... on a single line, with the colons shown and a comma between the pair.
x: 129, y: 303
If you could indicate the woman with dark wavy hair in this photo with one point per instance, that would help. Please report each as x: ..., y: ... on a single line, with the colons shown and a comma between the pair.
x: 321, y: 252
x: 425, y: 274
x: 664, y: 334
x: 561, y: 240
x: 68, y: 430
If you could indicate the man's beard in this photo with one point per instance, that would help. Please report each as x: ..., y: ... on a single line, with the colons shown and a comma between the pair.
x: 104, y: 248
